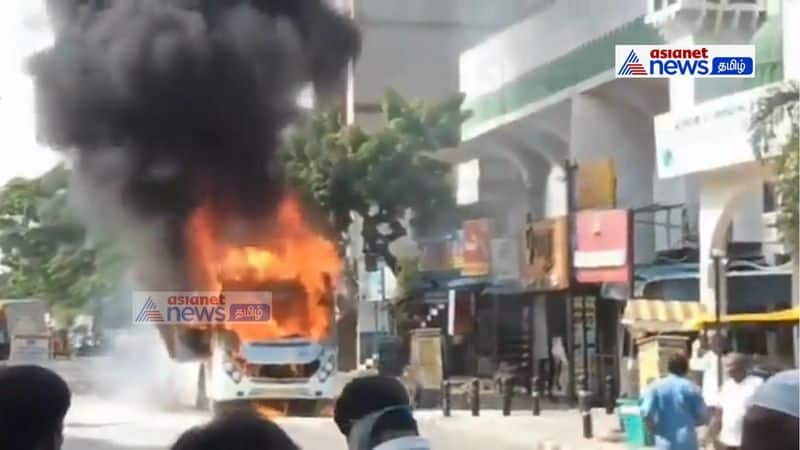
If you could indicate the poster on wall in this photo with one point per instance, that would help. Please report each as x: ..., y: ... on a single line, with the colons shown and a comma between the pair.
x: 457, y: 250
x: 433, y: 256
x: 505, y: 259
x: 585, y: 311
x: 476, y: 251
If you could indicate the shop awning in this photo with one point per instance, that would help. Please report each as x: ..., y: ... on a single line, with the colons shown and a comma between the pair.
x: 467, y: 283
x: 661, y: 315
x: 706, y: 320
x: 510, y: 287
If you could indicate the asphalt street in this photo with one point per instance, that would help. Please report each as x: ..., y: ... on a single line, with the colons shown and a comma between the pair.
x: 114, y: 410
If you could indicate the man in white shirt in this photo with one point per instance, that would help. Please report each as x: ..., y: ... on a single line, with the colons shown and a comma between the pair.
x: 705, y: 359
x: 733, y: 399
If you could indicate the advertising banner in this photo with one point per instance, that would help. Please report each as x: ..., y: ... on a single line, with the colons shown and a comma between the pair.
x: 476, y: 253
x: 505, y: 259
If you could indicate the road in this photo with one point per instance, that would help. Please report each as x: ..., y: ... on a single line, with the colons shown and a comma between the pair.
x: 105, y: 417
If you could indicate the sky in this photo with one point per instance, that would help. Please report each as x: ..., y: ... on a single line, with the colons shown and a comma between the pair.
x: 25, y: 28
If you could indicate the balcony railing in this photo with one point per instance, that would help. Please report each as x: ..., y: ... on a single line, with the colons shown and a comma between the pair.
x: 711, y: 17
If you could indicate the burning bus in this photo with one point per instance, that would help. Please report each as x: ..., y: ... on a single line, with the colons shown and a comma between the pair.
x: 293, y: 355
x: 171, y: 114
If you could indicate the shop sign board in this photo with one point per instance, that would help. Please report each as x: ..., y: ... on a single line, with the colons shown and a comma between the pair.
x: 712, y: 135
x: 476, y: 252
x: 604, y: 245
x: 505, y: 259
x: 545, y: 245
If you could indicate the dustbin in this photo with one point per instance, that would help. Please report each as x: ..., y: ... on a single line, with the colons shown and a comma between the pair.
x: 633, y: 424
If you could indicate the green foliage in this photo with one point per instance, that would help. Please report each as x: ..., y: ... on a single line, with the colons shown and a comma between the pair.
x: 341, y: 169
x: 772, y: 113
x: 400, y: 307
x: 44, y: 250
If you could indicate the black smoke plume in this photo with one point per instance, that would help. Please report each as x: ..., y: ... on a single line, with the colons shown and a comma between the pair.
x: 166, y: 105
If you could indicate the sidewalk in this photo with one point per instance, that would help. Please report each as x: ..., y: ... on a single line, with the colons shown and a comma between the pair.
x: 553, y: 429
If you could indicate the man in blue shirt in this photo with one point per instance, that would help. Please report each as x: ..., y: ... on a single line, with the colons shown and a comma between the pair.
x: 673, y: 406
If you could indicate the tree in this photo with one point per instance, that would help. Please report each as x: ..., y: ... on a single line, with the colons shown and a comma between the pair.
x: 340, y: 170
x: 775, y: 122
x: 45, y: 251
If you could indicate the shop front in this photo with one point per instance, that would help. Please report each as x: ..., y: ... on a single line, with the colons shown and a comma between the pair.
x: 603, y: 256
x: 545, y: 276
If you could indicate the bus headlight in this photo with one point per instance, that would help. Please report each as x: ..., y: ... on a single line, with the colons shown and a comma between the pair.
x: 236, y: 376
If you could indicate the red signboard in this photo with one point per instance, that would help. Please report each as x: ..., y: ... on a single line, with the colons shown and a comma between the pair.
x: 604, y: 246
x: 476, y: 252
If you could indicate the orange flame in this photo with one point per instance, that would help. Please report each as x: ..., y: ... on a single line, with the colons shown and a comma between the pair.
x: 292, y: 252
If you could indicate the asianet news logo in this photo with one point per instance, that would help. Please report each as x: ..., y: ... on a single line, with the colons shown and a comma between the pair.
x: 699, y: 61
x: 201, y: 307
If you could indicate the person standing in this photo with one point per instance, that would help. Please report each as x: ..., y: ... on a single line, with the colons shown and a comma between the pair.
x: 33, y: 404
x: 734, y: 396
x: 705, y: 359
x: 774, y: 411
x: 374, y: 412
x: 673, y: 408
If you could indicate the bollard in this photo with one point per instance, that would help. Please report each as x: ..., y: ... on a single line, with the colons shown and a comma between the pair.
x: 475, y: 397
x: 586, y: 423
x: 446, y: 398
x: 609, y: 391
x: 585, y: 408
x: 537, y: 395
x: 508, y: 394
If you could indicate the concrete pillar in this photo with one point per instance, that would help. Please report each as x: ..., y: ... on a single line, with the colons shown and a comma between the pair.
x: 721, y: 196
x: 608, y: 129
x: 555, y: 202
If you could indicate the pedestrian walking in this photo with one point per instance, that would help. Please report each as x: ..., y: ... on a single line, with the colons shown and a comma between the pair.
x: 33, y: 403
x: 673, y: 407
x: 732, y: 402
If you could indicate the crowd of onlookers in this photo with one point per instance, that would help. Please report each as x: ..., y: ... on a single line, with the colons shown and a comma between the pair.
x: 735, y: 409
x: 372, y: 412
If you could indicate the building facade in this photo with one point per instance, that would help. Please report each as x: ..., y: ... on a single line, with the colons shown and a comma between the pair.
x: 545, y: 96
